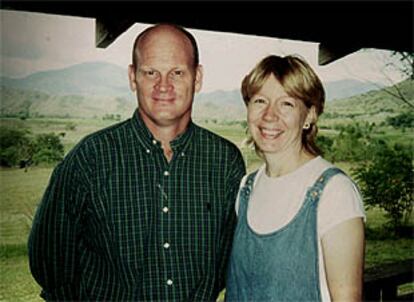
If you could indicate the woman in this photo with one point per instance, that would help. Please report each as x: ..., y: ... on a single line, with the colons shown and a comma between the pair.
x: 300, y: 232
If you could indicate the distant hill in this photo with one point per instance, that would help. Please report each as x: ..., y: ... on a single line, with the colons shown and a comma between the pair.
x: 337, y: 90
x: 102, y: 78
x: 94, y: 78
x: 99, y: 88
x: 373, y: 106
x: 219, y: 105
x: 21, y: 102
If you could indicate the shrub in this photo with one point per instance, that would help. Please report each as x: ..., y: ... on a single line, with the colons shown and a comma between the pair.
x: 386, y: 181
x: 18, y: 147
x: 402, y: 120
x: 48, y: 148
x: 325, y: 144
x: 352, y: 144
x: 15, y: 145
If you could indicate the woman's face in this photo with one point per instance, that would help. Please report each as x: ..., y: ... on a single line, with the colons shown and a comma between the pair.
x: 275, y: 119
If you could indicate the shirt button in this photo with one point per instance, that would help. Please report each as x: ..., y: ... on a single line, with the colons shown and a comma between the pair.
x: 165, y: 209
x: 182, y: 154
x: 166, y: 245
x: 148, y: 150
x: 169, y: 282
x: 154, y: 142
x: 166, y: 173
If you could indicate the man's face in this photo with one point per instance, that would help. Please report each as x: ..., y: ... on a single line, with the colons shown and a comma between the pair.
x: 165, y: 79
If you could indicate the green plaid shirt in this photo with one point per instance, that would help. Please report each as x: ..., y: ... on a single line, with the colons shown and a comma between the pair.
x: 120, y: 222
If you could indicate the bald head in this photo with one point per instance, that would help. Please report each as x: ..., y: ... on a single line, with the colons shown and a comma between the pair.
x: 166, y: 33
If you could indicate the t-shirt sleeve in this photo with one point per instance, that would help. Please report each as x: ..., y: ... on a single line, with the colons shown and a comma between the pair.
x: 340, y: 201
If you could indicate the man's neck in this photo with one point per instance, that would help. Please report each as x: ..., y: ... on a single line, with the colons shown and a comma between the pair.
x: 166, y: 133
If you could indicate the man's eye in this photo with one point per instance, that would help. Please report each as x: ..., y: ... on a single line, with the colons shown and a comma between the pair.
x: 149, y: 73
x: 178, y: 73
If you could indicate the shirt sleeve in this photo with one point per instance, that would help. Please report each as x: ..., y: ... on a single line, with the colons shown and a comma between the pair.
x: 340, y: 201
x: 54, y: 236
x: 236, y: 172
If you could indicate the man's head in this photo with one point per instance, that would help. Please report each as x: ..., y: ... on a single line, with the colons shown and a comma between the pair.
x: 165, y: 74
x: 186, y: 33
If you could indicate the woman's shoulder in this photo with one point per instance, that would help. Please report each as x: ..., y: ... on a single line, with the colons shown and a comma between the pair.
x: 341, y: 200
x: 253, y: 175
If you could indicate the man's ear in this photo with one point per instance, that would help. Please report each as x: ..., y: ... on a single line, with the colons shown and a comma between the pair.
x: 198, y: 82
x: 132, y: 77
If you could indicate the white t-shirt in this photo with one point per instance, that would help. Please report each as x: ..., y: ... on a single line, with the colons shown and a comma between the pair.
x: 275, y: 201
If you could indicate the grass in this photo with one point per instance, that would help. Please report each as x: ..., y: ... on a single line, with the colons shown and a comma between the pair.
x: 16, y: 283
x: 21, y: 191
x: 388, y: 251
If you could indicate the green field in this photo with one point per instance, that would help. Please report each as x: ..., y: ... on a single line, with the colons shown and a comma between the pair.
x: 20, y: 192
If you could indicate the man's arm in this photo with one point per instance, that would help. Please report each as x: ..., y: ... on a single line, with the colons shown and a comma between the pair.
x: 343, y: 249
x: 236, y: 172
x: 54, y: 236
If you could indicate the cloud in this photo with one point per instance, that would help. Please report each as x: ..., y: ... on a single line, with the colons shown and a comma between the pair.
x: 228, y: 57
x: 32, y: 38
x: 14, y: 42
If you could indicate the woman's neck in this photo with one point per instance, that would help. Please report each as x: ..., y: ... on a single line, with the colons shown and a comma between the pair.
x: 282, y: 163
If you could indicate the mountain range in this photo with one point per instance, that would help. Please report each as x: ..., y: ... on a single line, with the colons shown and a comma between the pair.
x: 94, y: 89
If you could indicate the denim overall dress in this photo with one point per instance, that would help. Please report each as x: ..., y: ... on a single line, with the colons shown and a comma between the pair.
x: 282, y: 265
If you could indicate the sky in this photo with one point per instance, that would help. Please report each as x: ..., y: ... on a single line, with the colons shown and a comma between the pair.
x: 32, y: 42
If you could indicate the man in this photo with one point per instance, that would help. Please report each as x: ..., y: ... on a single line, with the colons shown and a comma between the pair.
x: 142, y: 210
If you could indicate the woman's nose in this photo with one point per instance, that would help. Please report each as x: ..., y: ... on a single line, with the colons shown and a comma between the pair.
x: 270, y: 113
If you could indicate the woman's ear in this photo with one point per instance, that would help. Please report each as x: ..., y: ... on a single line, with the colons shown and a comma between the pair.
x: 311, y: 118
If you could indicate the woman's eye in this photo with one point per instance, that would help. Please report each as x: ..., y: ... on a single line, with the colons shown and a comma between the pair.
x: 259, y: 101
x: 287, y: 104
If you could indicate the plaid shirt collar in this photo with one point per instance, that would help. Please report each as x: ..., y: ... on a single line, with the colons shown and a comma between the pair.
x: 148, y: 141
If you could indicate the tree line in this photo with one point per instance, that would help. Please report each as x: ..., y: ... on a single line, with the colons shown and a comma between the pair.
x: 383, y: 171
x: 19, y: 147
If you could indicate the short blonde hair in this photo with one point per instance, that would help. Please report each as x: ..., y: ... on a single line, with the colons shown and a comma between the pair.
x: 298, y: 80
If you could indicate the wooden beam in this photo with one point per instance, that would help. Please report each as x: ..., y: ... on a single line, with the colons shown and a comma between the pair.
x: 108, y: 29
x: 328, y: 53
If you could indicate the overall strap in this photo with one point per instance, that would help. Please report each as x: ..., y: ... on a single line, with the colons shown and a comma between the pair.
x: 314, y: 193
x: 245, y: 192
x: 248, y: 186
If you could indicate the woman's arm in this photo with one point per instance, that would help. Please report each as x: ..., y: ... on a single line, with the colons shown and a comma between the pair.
x: 343, y: 250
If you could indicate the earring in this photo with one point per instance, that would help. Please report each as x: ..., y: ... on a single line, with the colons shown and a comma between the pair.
x: 306, y: 126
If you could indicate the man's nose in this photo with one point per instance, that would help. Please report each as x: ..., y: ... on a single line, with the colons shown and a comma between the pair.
x: 163, y: 84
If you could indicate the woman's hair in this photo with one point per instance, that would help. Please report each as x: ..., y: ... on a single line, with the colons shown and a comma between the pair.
x: 298, y: 80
